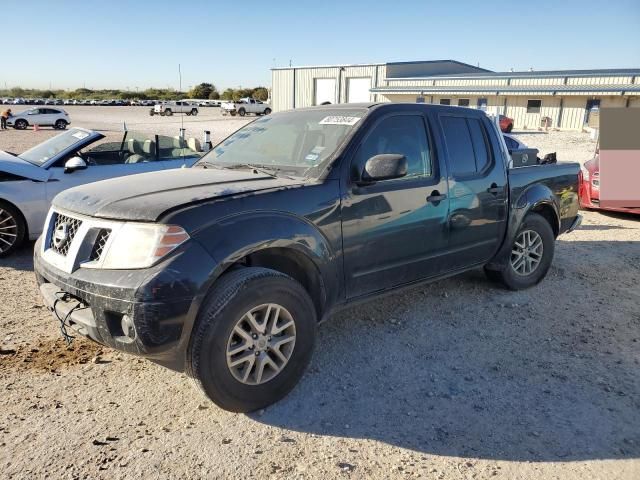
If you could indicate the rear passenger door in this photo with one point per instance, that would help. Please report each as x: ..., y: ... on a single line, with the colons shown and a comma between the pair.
x: 477, y: 189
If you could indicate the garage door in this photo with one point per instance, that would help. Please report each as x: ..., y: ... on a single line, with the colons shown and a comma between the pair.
x: 358, y: 90
x: 325, y: 90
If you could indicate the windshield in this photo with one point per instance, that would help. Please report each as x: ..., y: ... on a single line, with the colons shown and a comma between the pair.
x: 296, y: 143
x: 43, y: 152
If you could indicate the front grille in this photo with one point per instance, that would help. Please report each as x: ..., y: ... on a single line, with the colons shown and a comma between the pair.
x: 64, y: 230
x: 98, y: 247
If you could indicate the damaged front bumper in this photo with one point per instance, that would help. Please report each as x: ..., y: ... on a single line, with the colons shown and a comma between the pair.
x: 148, y: 312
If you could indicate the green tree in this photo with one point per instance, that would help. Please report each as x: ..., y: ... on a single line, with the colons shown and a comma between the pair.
x: 260, y: 93
x: 214, y: 95
x: 228, y: 94
x: 202, y: 91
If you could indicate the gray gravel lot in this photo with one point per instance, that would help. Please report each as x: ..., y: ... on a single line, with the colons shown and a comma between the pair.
x: 457, y: 379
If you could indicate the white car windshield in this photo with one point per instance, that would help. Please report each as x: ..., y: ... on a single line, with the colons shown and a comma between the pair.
x: 297, y: 143
x: 45, y: 151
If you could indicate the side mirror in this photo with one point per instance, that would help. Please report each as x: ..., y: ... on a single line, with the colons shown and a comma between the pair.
x: 73, y: 164
x: 384, y: 167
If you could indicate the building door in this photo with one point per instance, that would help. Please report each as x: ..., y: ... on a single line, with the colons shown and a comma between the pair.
x: 358, y: 90
x: 324, y: 91
x: 592, y: 112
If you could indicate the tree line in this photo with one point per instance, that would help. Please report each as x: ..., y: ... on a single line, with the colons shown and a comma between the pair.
x: 202, y: 91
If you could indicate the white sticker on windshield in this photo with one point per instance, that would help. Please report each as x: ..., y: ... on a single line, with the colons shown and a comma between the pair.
x: 80, y: 135
x: 339, y: 120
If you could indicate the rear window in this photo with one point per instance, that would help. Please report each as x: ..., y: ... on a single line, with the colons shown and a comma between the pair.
x: 466, y: 144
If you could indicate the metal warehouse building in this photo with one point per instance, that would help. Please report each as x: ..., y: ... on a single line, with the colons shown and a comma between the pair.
x: 565, y: 99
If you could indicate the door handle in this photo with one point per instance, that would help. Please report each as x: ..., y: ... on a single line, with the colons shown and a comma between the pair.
x: 494, y: 189
x: 435, y: 197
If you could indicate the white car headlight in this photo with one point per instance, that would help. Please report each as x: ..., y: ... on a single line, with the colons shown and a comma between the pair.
x: 139, y: 245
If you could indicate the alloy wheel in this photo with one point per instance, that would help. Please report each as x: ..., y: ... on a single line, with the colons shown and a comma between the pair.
x: 261, y: 344
x: 526, y: 253
x: 8, y: 230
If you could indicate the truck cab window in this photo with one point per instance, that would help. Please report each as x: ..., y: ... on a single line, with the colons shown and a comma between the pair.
x: 467, y: 145
x: 402, y: 134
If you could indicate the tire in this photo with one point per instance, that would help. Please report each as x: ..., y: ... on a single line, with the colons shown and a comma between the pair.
x: 11, y: 238
x: 60, y: 125
x: 231, y: 298
x: 233, y: 113
x: 194, y: 112
x: 188, y: 114
x: 152, y: 113
x: 509, y: 128
x: 20, y: 124
x: 518, y: 280
x: 168, y: 112
x: 267, y: 111
x: 242, y: 112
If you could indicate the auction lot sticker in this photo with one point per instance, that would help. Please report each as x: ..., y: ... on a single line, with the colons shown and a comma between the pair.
x: 339, y: 120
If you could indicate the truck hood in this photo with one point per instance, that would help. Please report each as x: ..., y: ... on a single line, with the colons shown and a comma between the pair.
x: 16, y: 166
x: 145, y: 197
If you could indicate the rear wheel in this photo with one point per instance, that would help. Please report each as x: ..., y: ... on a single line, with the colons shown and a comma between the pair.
x: 253, y: 339
x: 60, y: 125
x: 531, y: 254
x: 151, y: 112
x: 12, y: 229
x: 20, y: 124
x: 242, y: 112
x: 194, y: 112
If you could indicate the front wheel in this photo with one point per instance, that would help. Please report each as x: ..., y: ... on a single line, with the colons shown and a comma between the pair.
x: 20, y: 124
x: 531, y: 254
x: 13, y: 229
x: 168, y: 112
x: 242, y: 112
x: 194, y: 112
x: 267, y: 111
x: 253, y: 339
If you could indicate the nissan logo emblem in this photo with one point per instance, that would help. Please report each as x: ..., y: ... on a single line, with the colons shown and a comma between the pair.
x: 61, y: 235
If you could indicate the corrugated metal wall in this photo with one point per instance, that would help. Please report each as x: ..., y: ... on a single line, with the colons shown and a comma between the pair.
x: 570, y: 116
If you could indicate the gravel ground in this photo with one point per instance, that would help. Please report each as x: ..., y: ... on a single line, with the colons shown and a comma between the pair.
x: 457, y: 379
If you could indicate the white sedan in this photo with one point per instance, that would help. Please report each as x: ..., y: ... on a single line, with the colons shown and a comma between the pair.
x: 30, y: 180
x: 41, y: 116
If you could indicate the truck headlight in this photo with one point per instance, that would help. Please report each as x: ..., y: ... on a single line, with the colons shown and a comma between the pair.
x: 139, y: 245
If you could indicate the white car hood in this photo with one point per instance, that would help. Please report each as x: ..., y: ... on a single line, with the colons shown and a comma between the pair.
x: 22, y: 168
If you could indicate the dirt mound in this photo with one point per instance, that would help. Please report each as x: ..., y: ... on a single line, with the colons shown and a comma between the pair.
x: 49, y: 355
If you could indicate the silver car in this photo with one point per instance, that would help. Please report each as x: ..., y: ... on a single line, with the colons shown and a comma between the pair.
x: 30, y: 180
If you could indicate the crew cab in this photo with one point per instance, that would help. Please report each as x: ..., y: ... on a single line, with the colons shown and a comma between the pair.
x: 244, y: 106
x: 169, y: 108
x: 223, y: 270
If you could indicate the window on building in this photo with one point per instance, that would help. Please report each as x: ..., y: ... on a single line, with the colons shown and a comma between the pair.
x: 445, y: 101
x: 463, y: 102
x: 402, y: 134
x: 482, y: 104
x: 533, y: 106
x: 466, y: 144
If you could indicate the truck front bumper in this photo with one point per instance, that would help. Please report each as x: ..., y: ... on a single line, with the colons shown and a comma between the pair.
x: 148, y: 312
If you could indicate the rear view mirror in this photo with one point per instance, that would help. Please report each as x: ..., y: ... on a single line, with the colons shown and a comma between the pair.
x: 73, y: 164
x: 384, y: 167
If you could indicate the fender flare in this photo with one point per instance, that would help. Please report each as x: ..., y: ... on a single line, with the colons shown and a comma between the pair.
x: 536, y: 198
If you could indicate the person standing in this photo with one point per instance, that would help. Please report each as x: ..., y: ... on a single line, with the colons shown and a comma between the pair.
x: 3, y: 118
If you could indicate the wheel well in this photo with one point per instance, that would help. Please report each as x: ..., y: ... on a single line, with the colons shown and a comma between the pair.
x: 295, y: 264
x: 549, y: 215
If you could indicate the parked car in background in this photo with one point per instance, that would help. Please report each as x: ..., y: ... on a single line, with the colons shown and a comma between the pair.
x: 224, y: 269
x: 244, y: 106
x: 169, y: 108
x: 506, y: 123
x: 30, y: 180
x: 590, y: 188
x: 41, y: 116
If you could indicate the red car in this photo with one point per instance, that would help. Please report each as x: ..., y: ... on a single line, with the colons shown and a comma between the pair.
x: 590, y: 188
x: 506, y: 124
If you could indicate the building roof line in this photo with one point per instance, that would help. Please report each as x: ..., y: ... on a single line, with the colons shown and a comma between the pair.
x: 511, y: 89
x: 540, y: 74
x: 295, y: 67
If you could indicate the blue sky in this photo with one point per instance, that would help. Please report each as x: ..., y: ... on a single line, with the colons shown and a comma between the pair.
x: 119, y: 44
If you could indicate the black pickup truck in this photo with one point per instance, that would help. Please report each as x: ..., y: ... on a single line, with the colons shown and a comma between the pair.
x: 224, y: 270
